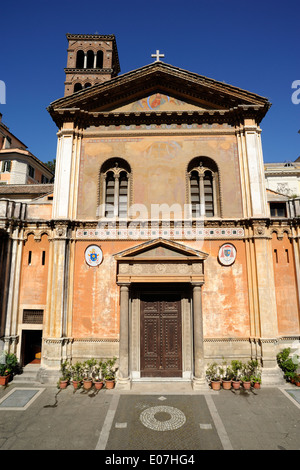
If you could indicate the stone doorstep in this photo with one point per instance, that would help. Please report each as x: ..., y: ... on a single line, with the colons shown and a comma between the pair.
x: 272, y: 377
x: 29, y: 375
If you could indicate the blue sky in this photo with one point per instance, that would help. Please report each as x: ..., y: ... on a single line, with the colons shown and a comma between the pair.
x: 253, y: 45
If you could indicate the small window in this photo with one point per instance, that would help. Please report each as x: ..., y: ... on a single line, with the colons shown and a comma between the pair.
x: 278, y: 209
x: 90, y: 59
x: 80, y: 60
x: 33, y: 316
x: 99, y: 63
x: 6, y: 167
x: 276, y: 256
x: 45, y: 180
x: 7, y: 142
x: 77, y: 87
x: 29, y: 258
x: 287, y: 256
x: 31, y: 171
x: 43, y: 258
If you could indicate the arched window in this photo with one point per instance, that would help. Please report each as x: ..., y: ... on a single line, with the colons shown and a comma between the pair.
x: 114, y: 188
x: 90, y: 59
x: 77, y: 87
x: 203, y: 179
x: 99, y: 63
x: 80, y: 60
x: 87, y: 85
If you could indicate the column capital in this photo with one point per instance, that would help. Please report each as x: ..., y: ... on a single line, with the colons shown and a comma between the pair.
x: 124, y: 285
x: 197, y: 284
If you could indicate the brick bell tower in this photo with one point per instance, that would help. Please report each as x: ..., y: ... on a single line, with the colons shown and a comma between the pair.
x: 92, y: 59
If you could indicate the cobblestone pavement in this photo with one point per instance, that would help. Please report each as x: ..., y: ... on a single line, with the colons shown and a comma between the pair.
x: 39, y: 417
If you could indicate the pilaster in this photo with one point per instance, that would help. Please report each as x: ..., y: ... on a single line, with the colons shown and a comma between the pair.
x: 199, y: 379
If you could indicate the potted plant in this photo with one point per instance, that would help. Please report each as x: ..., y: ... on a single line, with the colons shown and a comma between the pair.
x: 255, y: 381
x: 97, y: 374
x: 77, y: 375
x: 227, y: 376
x: 297, y: 380
x: 236, y: 367
x: 87, y: 377
x: 213, y: 376
x: 286, y: 364
x: 4, y: 374
x: 9, y: 366
x: 109, y: 372
x: 65, y: 374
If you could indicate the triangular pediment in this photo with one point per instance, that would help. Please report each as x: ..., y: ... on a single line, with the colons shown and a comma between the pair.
x: 157, y: 87
x: 159, y: 102
x: 161, y: 249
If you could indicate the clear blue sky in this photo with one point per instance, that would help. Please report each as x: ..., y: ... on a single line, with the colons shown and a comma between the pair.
x: 253, y: 45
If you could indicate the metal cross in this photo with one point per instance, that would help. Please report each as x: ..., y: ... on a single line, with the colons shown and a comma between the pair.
x: 157, y: 56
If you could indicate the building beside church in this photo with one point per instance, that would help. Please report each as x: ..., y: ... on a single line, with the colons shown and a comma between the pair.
x: 17, y: 164
x: 158, y: 245
x: 284, y: 177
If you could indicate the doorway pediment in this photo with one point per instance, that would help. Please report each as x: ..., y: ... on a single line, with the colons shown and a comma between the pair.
x: 160, y: 260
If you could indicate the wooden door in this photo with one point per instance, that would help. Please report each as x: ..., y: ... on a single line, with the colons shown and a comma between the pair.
x: 161, y: 354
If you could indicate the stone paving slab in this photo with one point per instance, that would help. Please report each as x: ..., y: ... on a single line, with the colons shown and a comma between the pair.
x: 108, y: 420
x: 163, y: 423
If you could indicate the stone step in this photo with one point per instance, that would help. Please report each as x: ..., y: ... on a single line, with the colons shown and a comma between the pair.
x: 29, y: 374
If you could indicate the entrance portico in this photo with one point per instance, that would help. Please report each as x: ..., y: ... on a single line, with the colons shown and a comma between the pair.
x: 161, y: 327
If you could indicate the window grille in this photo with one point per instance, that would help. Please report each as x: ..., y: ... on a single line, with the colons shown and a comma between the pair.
x: 33, y: 316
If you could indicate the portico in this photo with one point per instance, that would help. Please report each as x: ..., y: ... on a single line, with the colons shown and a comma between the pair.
x: 161, y: 326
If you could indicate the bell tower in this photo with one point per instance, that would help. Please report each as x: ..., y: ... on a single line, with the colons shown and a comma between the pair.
x: 92, y: 59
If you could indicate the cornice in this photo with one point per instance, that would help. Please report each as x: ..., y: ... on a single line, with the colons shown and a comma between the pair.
x: 83, y: 118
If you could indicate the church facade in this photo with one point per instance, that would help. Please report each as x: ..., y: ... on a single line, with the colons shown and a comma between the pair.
x: 158, y: 245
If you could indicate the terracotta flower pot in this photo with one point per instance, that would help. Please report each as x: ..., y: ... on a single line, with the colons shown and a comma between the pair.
x: 63, y: 384
x: 4, y: 379
x: 98, y: 385
x: 256, y: 385
x: 247, y: 385
x: 236, y: 384
x: 87, y: 384
x: 76, y: 384
x: 216, y: 384
x: 226, y: 384
x: 109, y: 384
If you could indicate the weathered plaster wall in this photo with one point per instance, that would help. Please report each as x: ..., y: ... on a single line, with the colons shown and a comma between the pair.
x: 33, y: 284
x: 96, y: 295
x: 159, y: 165
x: 225, y: 301
x: 285, y: 284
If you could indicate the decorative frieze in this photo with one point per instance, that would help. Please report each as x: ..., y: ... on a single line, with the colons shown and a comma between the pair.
x: 168, y: 233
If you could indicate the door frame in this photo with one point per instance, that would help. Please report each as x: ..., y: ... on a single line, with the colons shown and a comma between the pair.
x: 136, y: 292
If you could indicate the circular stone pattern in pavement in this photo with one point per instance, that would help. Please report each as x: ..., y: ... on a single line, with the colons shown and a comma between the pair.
x: 177, y: 418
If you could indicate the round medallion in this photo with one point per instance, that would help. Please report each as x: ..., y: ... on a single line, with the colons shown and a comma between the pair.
x: 93, y: 255
x: 227, y: 254
x: 150, y: 418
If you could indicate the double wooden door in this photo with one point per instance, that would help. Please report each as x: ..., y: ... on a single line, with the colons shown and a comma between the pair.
x: 161, y: 342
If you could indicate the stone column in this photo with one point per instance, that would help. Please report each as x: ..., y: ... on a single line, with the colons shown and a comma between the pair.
x: 214, y: 188
x: 124, y: 381
x: 199, y: 379
x: 11, y: 321
x: 201, y: 194
x: 116, y: 196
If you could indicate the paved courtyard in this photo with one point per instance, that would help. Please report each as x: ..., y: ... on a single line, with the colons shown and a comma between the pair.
x: 41, y: 417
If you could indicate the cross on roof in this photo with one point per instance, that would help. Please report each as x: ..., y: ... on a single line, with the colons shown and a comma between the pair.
x: 157, y: 56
